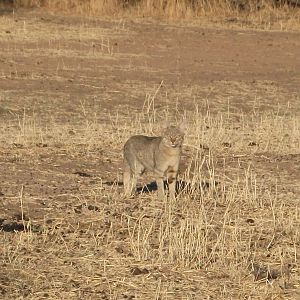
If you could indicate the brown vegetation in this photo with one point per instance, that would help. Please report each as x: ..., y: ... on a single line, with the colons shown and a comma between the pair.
x: 185, y: 9
x: 73, y: 89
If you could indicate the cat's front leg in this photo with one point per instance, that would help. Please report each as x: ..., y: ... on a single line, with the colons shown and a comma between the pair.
x: 172, y: 175
x: 160, y: 187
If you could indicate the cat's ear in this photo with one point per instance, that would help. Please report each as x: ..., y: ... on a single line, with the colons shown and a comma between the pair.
x: 182, y: 126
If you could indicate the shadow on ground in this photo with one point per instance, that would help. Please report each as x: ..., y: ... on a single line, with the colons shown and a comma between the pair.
x: 10, y: 227
x: 181, y: 186
x: 17, y: 227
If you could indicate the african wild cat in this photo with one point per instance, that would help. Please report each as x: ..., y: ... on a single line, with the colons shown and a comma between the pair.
x: 161, y: 155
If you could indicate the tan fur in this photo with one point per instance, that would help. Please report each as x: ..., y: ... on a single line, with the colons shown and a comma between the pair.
x: 161, y: 155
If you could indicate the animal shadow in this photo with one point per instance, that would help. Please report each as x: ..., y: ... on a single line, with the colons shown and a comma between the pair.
x: 181, y: 187
x: 18, y: 227
x: 11, y: 227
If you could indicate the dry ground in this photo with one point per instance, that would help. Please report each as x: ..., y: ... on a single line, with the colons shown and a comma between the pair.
x: 72, y: 90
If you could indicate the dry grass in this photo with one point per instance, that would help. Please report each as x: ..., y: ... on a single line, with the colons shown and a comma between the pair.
x: 264, y: 14
x: 68, y: 232
x: 96, y: 243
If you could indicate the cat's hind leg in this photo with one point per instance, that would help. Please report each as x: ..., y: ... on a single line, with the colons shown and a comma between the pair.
x: 130, y: 176
x: 137, y: 170
x: 127, y: 178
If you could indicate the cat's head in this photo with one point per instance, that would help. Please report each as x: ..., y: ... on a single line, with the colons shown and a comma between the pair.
x: 173, y: 136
